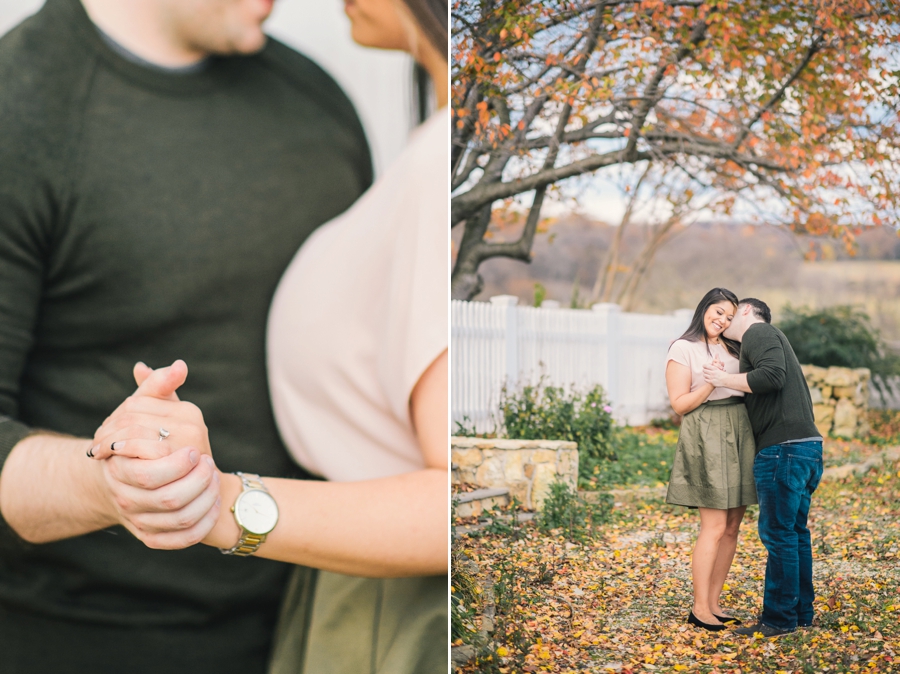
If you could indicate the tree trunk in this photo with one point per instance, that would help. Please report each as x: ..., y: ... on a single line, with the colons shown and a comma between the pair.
x: 466, y: 282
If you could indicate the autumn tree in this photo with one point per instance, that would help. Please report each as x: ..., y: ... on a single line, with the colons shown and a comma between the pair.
x: 791, y: 108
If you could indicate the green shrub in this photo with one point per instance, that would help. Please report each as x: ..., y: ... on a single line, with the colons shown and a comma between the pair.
x: 641, y: 459
x: 565, y: 509
x: 552, y: 413
x: 840, y: 336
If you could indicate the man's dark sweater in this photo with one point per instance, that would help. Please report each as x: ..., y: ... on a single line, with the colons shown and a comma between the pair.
x: 779, y: 407
x: 148, y: 216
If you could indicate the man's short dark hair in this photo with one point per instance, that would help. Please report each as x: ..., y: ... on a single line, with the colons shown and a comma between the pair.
x: 760, y: 309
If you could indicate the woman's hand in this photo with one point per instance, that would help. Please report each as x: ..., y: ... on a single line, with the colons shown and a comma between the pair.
x: 149, y: 428
x: 152, y: 422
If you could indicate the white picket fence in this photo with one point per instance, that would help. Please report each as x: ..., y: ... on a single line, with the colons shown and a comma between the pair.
x: 499, y: 343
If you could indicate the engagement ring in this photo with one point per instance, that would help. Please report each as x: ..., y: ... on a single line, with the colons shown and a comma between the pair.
x: 163, y: 434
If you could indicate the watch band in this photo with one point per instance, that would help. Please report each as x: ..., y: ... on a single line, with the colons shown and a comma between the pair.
x: 246, y: 546
x: 248, y: 543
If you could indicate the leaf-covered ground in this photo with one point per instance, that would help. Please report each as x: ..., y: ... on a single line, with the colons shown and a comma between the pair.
x: 618, y: 602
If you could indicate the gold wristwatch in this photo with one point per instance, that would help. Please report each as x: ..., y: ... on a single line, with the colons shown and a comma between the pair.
x: 255, y: 512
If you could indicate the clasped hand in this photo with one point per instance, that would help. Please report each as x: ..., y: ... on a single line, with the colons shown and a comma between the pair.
x: 714, y: 372
x: 165, y: 491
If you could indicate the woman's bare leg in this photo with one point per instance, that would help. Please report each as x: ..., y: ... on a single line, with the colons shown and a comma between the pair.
x: 712, y: 529
x: 724, y: 557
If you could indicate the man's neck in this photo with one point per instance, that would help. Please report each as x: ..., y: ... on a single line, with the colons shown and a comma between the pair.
x: 134, y: 58
x: 138, y: 27
x: 749, y: 325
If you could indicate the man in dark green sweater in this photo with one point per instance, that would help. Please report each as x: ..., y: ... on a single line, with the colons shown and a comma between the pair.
x: 788, y: 463
x: 161, y: 162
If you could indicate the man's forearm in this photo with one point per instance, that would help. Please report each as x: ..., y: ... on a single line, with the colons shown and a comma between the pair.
x: 49, y: 490
x: 738, y: 382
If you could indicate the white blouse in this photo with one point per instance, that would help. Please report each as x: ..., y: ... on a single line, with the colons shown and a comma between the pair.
x: 360, y: 314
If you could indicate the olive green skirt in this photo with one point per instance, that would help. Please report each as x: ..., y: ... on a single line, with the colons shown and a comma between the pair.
x: 336, y: 624
x: 713, y: 466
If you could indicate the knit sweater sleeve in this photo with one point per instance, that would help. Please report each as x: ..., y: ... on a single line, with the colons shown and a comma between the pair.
x: 25, y: 213
x: 765, y: 352
x: 34, y: 147
x: 21, y: 279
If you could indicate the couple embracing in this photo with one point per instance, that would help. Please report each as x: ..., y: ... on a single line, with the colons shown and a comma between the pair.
x: 747, y: 436
x: 176, y: 187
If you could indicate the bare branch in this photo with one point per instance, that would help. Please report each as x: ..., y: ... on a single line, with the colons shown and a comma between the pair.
x: 520, y: 249
x: 652, y: 93
x: 461, y: 176
x: 811, y: 51
x: 606, y: 277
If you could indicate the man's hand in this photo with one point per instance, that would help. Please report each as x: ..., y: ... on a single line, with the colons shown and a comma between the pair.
x: 167, y: 503
x: 719, y: 378
x: 714, y: 374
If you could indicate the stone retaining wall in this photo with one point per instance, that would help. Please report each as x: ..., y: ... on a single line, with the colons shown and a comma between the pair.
x: 526, y: 467
x: 840, y: 397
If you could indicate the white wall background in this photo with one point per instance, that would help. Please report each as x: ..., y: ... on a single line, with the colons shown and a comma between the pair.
x: 377, y: 82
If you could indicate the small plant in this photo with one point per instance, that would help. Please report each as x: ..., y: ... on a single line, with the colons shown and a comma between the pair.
x: 503, y: 521
x: 464, y: 598
x: 540, y: 294
x: 516, y: 641
x: 564, y: 509
x: 465, y: 428
x: 551, y: 413
x: 575, y: 299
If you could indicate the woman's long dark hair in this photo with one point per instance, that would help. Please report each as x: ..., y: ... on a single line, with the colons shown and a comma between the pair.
x: 696, y: 331
x: 434, y: 19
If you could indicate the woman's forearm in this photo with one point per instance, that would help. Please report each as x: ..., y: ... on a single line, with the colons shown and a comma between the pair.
x: 384, y: 528
x: 691, y: 401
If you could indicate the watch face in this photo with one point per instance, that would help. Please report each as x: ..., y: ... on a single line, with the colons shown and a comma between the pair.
x: 256, y: 511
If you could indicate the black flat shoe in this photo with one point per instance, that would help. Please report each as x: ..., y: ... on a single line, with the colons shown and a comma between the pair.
x: 696, y: 622
x: 728, y: 619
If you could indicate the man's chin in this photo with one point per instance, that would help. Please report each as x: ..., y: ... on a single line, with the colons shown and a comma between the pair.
x: 729, y: 334
x: 245, y: 45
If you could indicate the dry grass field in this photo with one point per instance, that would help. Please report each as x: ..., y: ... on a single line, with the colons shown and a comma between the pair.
x: 761, y: 261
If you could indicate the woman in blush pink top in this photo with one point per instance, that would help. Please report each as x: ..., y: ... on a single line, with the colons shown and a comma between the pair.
x: 713, y: 465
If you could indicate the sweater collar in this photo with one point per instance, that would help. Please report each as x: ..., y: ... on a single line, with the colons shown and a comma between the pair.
x: 195, y: 82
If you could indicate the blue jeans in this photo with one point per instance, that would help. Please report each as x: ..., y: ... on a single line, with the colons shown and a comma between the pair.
x: 786, y: 476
